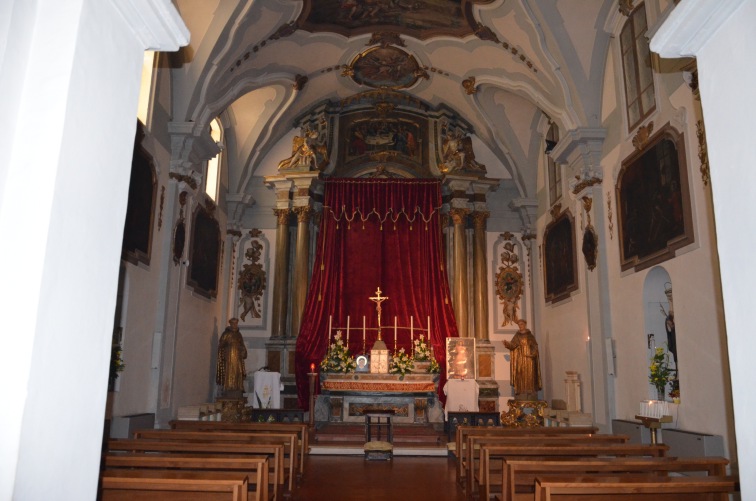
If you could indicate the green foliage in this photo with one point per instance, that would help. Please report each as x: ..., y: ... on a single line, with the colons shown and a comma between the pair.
x: 659, y: 371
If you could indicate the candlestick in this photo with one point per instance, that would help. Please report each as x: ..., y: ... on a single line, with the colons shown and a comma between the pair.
x: 330, y: 329
x: 347, y: 339
x: 412, y: 336
x: 394, y: 334
x: 364, y: 329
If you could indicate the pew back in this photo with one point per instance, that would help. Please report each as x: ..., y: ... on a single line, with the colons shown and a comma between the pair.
x: 632, y: 487
x: 254, y: 467
x: 128, y: 485
x: 518, y: 475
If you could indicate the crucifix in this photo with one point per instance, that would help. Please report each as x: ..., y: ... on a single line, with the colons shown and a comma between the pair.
x: 378, y: 299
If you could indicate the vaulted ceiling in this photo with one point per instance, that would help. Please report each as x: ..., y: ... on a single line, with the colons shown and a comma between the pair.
x: 506, y: 67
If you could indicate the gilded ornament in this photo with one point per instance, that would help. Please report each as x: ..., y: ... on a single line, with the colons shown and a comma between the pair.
x: 252, y: 282
x: 642, y: 136
x: 703, y: 154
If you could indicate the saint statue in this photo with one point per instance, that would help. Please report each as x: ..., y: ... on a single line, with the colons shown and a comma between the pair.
x: 525, y: 369
x: 230, y: 372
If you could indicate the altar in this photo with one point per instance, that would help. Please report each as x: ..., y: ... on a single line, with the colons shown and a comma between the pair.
x: 346, y: 397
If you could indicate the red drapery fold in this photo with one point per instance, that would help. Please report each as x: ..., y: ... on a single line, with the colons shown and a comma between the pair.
x: 376, y: 233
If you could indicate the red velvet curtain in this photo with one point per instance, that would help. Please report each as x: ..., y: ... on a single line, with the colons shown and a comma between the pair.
x: 377, y: 233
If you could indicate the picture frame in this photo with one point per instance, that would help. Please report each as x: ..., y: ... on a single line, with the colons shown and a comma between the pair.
x: 363, y: 363
x: 460, y: 358
x: 560, y: 258
x: 653, y: 202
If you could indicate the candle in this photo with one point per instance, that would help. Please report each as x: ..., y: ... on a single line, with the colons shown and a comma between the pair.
x: 312, y: 367
x: 394, y: 333
x: 364, y: 329
x: 330, y: 328
x: 347, y: 339
x: 412, y: 340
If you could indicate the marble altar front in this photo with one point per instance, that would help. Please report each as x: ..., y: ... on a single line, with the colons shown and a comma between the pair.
x: 346, y: 397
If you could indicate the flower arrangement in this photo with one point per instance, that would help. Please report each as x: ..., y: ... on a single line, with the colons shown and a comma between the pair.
x: 659, y: 371
x: 401, y: 363
x: 422, y: 350
x: 116, y: 364
x: 674, y: 392
x: 338, y: 358
x: 434, y: 367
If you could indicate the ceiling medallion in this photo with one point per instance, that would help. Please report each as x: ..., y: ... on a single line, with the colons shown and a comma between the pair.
x: 385, y: 67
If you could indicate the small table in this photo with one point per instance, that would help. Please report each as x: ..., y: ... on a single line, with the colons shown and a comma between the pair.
x: 379, y: 448
x: 653, y: 424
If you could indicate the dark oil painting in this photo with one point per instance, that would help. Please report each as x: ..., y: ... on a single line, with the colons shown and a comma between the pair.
x: 654, y: 202
x: 205, y: 254
x: 137, y: 231
x: 560, y: 258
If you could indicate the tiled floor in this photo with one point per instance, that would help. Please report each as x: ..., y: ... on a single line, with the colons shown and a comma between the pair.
x: 351, y: 478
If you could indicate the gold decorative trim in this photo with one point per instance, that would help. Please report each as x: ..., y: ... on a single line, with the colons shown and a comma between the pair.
x: 642, y: 136
x: 555, y: 211
x: 587, y: 204
x: 585, y: 183
x: 282, y: 216
x: 458, y: 215
x: 189, y: 180
x: 479, y: 218
x: 234, y: 233
x: 303, y: 213
x: 399, y: 387
x: 252, y: 282
x: 469, y: 85
x: 509, y: 284
x: 626, y: 7
x: 516, y: 417
x: 609, y: 207
x: 283, y: 31
x: 703, y: 152
x: 485, y: 33
x: 255, y: 233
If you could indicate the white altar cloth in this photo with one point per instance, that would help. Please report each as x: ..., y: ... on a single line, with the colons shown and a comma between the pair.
x: 461, y: 396
x: 268, y: 387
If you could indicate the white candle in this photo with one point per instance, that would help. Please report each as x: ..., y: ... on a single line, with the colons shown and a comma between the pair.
x: 412, y: 340
x: 330, y: 328
x: 395, y: 333
x: 347, y: 339
x: 364, y: 330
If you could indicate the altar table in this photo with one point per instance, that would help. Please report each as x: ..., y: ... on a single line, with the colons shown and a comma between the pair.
x: 350, y: 396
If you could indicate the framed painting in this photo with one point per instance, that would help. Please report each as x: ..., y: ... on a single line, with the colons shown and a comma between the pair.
x: 140, y: 211
x: 560, y: 260
x: 205, y: 254
x: 460, y: 358
x: 653, y: 201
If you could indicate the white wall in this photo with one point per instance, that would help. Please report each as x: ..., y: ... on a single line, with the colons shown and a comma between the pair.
x: 708, y: 32
x: 67, y: 139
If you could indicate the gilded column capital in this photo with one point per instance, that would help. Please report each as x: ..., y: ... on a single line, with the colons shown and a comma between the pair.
x: 303, y: 213
x: 282, y: 215
x: 479, y: 218
x: 458, y: 215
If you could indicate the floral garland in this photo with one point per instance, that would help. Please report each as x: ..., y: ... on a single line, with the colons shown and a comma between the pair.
x: 401, y: 363
x: 659, y: 371
x: 338, y: 358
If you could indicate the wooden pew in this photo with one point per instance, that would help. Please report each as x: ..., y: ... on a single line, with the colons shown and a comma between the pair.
x: 301, y: 430
x: 632, y: 488
x: 464, y: 431
x: 289, y: 440
x: 277, y: 475
x: 518, y: 475
x: 129, y: 485
x: 475, y: 444
x: 254, y: 467
x: 491, y: 456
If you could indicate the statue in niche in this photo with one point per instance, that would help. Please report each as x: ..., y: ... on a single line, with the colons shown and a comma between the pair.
x: 309, y: 151
x: 252, y: 283
x: 230, y: 371
x: 525, y: 367
x: 457, y: 153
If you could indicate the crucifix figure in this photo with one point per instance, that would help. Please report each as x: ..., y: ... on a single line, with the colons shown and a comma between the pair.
x: 378, y: 299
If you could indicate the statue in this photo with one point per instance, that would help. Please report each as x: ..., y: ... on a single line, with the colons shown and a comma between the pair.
x: 230, y: 372
x: 309, y: 151
x: 457, y: 153
x: 525, y: 369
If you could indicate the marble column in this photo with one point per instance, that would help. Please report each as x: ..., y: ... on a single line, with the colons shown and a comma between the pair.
x: 281, y: 277
x: 459, y: 218
x: 480, y: 289
x: 301, y: 267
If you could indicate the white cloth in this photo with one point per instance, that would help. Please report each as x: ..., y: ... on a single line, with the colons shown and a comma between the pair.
x: 461, y: 396
x: 268, y: 389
